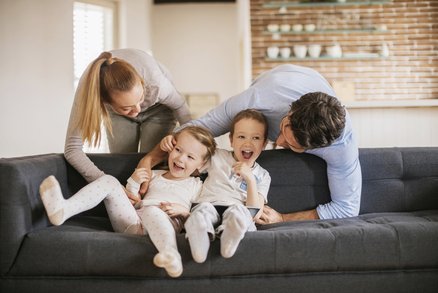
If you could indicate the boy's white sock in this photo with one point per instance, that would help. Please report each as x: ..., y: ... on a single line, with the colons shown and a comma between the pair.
x: 197, y: 234
x: 53, y: 200
x: 233, y: 233
x: 170, y: 260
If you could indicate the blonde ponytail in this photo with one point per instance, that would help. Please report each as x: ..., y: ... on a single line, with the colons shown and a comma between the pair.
x: 104, y: 75
x: 92, y: 111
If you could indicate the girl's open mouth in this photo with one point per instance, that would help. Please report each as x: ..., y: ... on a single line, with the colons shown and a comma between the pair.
x: 177, y: 168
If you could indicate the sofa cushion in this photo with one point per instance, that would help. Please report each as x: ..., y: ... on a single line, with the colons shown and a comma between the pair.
x: 385, y: 241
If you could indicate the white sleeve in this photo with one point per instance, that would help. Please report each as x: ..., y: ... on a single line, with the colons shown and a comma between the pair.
x: 169, y: 96
x: 344, y: 178
x: 132, y: 186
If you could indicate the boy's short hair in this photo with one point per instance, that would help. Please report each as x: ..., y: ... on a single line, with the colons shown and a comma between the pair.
x: 250, y: 114
x: 317, y: 119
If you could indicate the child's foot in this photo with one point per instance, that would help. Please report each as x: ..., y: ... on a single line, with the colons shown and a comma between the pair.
x: 53, y: 200
x: 233, y: 233
x: 170, y: 260
x: 199, y: 240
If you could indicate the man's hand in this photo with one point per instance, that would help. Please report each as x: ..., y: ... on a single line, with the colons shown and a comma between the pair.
x: 269, y: 216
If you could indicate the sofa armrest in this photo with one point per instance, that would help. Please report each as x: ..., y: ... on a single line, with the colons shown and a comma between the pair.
x: 21, y: 209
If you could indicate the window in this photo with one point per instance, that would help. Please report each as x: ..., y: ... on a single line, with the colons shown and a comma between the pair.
x: 94, y: 23
x: 94, y: 31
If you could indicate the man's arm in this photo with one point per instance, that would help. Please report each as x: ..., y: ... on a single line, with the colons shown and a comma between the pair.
x: 271, y: 216
x: 345, y: 183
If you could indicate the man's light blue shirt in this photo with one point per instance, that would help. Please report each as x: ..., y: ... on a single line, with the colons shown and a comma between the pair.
x: 272, y: 93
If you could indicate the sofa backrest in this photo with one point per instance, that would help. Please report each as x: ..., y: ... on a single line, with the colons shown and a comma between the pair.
x: 399, y: 179
x: 394, y: 179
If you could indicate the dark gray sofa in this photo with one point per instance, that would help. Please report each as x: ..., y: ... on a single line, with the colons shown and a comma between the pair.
x: 391, y: 247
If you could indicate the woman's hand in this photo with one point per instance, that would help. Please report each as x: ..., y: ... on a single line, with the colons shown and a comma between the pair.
x: 167, y: 143
x: 269, y: 216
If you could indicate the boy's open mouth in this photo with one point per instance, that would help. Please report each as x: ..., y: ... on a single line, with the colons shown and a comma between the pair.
x: 247, y: 154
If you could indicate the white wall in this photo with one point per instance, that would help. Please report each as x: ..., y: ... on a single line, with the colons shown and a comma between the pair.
x: 135, y: 24
x: 36, y: 77
x: 198, y: 43
x: 202, y: 44
x: 395, y: 127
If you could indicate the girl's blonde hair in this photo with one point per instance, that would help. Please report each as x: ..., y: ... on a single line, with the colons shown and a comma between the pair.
x: 103, y: 76
x: 202, y: 135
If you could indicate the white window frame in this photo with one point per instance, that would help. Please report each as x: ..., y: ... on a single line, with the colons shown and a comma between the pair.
x: 110, y: 41
x: 110, y: 34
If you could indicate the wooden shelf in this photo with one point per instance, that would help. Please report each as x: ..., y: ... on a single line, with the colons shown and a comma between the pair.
x: 326, y: 58
x: 279, y: 4
x: 330, y: 31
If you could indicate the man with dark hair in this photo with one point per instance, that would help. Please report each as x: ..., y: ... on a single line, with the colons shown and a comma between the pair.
x: 304, y: 116
x: 318, y: 120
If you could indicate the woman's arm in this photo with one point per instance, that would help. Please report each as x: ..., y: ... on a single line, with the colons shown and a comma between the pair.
x: 73, y: 149
x: 149, y: 161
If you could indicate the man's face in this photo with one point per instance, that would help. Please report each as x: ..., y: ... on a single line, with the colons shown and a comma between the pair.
x: 286, y: 139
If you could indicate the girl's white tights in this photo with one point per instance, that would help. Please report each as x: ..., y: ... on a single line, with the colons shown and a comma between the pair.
x: 121, y: 212
x: 162, y: 233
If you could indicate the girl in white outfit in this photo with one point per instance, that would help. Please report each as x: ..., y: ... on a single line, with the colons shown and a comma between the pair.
x: 235, y: 184
x: 163, y: 210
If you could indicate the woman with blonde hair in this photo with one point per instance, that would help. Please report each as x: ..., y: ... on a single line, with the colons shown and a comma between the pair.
x: 132, y: 96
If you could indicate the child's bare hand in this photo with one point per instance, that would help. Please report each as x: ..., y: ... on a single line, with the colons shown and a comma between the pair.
x: 173, y: 209
x: 167, y: 143
x: 243, y: 170
x: 140, y: 175
x: 133, y: 198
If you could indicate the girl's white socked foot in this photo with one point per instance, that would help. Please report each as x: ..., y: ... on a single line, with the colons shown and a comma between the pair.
x: 53, y: 200
x: 170, y: 260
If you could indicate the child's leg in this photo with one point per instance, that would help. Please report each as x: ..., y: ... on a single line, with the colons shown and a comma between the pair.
x: 199, y: 228
x: 120, y: 210
x: 162, y: 233
x: 236, y: 221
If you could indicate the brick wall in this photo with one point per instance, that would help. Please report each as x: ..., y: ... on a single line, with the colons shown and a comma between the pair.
x: 408, y: 28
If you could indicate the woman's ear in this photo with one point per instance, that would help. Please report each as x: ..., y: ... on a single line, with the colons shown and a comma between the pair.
x: 231, y: 138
